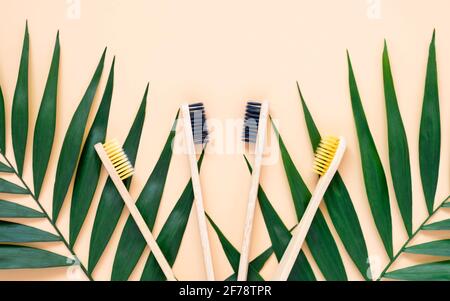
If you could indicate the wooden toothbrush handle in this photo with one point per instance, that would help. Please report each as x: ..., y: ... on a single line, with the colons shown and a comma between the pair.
x: 139, y: 220
x: 299, y: 233
x: 253, y: 194
x: 201, y: 216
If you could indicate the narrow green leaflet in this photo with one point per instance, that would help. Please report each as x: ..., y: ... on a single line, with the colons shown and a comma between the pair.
x: 340, y: 206
x: 319, y: 239
x: 5, y: 168
x: 19, y: 113
x: 89, y: 166
x: 398, y: 147
x: 2, y: 123
x: 430, y: 131
x: 233, y: 255
x: 374, y: 176
x: 132, y: 244
x: 255, y: 265
x: 446, y: 205
x: 8, y: 187
x: 435, y: 271
x: 73, y: 140
x: 13, y: 210
x: 44, y: 131
x: 442, y: 225
x: 280, y: 236
x: 172, y: 232
x: 434, y: 248
x: 18, y: 233
x: 258, y: 263
x: 21, y: 257
x: 111, y: 203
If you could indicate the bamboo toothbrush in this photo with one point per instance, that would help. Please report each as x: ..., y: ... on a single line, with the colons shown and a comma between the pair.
x: 119, y: 168
x: 255, y: 125
x: 196, y: 132
x: 327, y: 159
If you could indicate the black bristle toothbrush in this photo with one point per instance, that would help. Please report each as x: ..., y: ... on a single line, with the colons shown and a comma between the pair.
x: 255, y: 132
x: 196, y: 132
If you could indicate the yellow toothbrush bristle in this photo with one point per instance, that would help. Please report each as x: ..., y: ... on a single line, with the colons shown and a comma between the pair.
x: 119, y: 159
x: 324, y: 154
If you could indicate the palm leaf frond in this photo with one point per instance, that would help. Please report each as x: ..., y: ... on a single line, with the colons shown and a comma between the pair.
x: 13, y: 210
x: 430, y: 130
x: 89, y: 166
x: 44, y: 131
x: 442, y: 225
x: 73, y: 140
x: 428, y: 271
x: 17, y: 233
x: 21, y: 257
x: 374, y: 176
x: 398, y: 147
x: 19, y: 120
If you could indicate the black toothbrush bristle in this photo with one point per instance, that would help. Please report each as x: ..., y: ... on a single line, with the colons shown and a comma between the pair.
x: 251, y: 122
x: 198, y: 123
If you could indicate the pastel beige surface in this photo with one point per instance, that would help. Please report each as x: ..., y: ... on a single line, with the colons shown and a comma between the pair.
x: 225, y: 53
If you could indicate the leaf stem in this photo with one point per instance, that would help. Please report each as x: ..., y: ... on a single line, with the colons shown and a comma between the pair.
x: 402, y: 249
x: 47, y: 216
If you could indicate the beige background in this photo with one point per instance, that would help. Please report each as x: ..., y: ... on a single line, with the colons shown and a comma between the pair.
x: 224, y: 53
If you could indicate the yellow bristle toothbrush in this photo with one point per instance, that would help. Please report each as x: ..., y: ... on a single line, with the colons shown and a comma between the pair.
x: 326, y: 162
x: 119, y: 168
x: 255, y: 125
x: 196, y: 132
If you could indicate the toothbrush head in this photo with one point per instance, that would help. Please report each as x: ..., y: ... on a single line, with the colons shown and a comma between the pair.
x: 251, y: 122
x: 325, y: 154
x: 118, y: 159
x: 198, y: 123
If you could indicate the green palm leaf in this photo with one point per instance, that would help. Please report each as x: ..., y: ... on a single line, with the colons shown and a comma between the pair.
x: 8, y: 187
x: 111, y: 203
x: 442, y: 225
x: 319, y: 239
x: 17, y: 233
x: 44, y: 130
x: 260, y: 261
x: 398, y: 147
x: 132, y: 243
x: 340, y: 206
x: 430, y: 131
x: 374, y: 176
x: 424, y: 272
x: 6, y: 168
x: 172, y: 232
x: 73, y: 140
x: 9, y: 210
x: 19, y: 120
x: 21, y: 257
x: 435, y: 248
x: 89, y: 166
